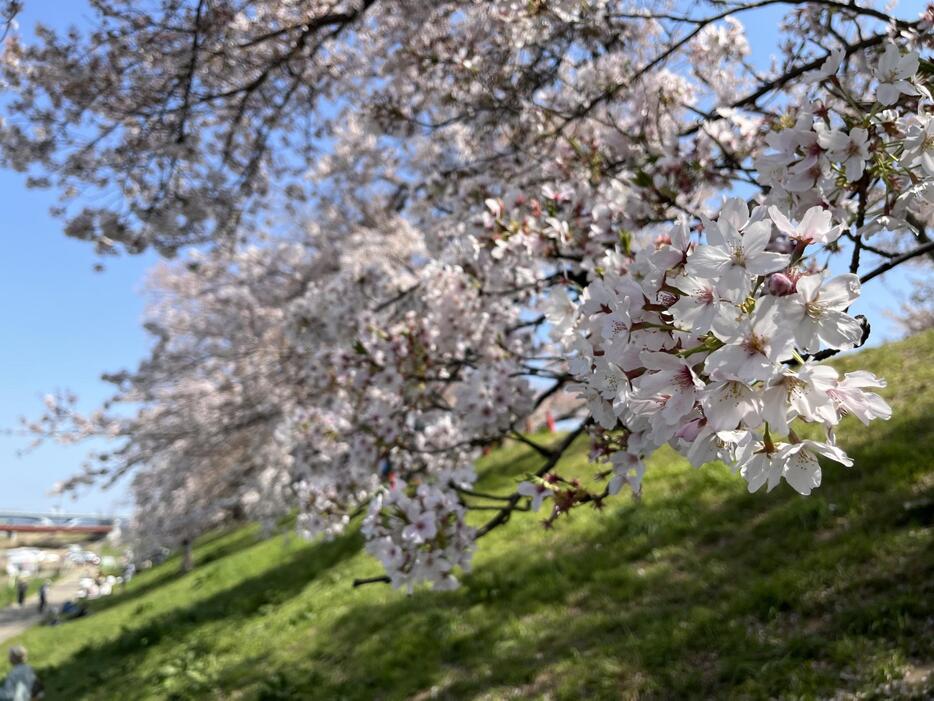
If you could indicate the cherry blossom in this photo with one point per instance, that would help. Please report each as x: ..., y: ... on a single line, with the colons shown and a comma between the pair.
x: 732, y: 255
x: 536, y: 491
x: 851, y: 149
x: 894, y: 73
x: 796, y: 463
x: 815, y: 314
x: 919, y: 145
x: 816, y: 226
x: 754, y: 351
x: 701, y: 306
x: 828, y: 68
x: 850, y: 397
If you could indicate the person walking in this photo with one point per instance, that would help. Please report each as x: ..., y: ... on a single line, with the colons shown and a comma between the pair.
x: 43, y: 596
x: 21, y: 684
x: 21, y: 588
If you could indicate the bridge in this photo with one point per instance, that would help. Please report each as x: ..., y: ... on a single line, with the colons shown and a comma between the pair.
x: 23, y: 522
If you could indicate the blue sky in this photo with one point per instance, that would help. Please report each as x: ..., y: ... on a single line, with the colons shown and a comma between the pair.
x: 64, y: 324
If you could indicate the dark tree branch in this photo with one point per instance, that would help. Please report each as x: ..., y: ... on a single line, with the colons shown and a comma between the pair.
x: 885, y: 267
x: 505, y: 513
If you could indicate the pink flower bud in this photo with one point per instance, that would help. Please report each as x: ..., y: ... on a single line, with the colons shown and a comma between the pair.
x: 780, y: 285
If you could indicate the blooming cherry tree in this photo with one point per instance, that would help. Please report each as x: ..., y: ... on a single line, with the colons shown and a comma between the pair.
x: 401, y: 229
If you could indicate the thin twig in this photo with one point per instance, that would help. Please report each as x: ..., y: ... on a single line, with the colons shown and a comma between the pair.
x: 504, y: 513
x: 540, y: 449
x: 478, y: 495
x: 885, y: 267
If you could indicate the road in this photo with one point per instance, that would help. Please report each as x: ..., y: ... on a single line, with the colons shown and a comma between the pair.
x: 14, y: 620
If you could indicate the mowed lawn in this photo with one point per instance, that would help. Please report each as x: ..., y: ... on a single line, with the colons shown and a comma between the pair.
x: 698, y: 590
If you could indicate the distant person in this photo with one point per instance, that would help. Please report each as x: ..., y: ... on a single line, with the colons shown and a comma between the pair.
x: 21, y: 684
x: 73, y: 609
x: 128, y: 573
x: 21, y: 588
x: 43, y: 596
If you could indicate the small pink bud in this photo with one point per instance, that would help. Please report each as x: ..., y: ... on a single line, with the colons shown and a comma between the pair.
x: 780, y: 285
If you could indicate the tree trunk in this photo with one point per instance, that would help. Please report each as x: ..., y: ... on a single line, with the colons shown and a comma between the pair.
x: 188, y: 562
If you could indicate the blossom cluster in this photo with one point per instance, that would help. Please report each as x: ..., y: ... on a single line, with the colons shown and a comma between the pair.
x: 419, y: 532
x: 702, y: 347
x: 711, y: 347
x: 870, y: 161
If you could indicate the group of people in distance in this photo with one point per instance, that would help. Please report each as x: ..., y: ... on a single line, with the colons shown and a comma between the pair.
x: 22, y: 588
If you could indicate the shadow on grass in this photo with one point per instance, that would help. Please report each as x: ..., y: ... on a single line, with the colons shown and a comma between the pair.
x: 700, y: 591
x: 682, y: 596
x: 100, y: 664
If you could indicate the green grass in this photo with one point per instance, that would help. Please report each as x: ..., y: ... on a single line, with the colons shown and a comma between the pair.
x: 699, y: 590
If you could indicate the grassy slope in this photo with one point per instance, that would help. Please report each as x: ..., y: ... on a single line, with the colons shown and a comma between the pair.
x: 699, y: 590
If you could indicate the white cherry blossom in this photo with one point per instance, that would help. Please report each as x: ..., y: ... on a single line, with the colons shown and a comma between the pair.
x: 702, y: 308
x: 894, y: 73
x: 733, y: 255
x: 536, y: 491
x: 803, y: 393
x: 766, y: 463
x: 816, y: 226
x: 758, y: 345
x: 674, y: 378
x: 919, y: 144
x: 729, y: 403
x: 828, y: 68
x: 815, y: 314
x: 850, y: 397
x: 851, y: 149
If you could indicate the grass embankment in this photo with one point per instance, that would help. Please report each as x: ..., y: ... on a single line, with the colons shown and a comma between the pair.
x: 698, y: 590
